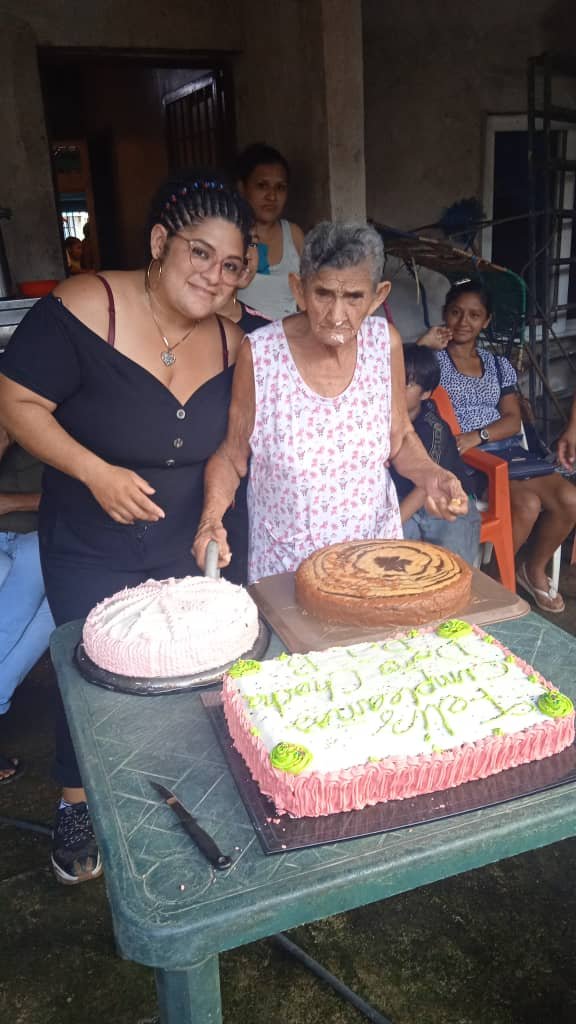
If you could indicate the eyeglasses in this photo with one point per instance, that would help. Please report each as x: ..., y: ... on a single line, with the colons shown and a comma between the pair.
x: 204, y: 258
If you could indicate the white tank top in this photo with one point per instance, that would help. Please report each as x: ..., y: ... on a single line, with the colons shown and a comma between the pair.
x: 318, y: 471
x: 270, y: 293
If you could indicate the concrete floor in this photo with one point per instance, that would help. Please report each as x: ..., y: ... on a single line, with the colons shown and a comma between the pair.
x: 494, y: 946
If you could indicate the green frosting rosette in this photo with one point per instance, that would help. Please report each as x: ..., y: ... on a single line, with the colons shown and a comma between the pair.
x: 290, y: 757
x: 243, y: 667
x: 555, y: 704
x: 453, y: 629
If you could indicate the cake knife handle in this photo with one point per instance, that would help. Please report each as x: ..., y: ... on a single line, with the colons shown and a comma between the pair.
x: 211, y: 565
x: 208, y: 848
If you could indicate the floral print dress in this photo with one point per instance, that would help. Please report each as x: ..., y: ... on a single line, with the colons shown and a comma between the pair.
x: 318, y: 473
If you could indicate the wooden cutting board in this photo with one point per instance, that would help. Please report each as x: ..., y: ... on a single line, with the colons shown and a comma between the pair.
x: 301, y: 632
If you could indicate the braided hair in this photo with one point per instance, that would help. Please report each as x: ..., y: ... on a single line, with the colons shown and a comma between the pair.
x: 192, y: 196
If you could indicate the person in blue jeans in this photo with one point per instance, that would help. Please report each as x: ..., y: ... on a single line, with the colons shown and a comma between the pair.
x: 25, y: 619
x: 463, y: 535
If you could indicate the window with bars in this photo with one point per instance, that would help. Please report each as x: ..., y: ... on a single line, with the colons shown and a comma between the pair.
x: 200, y: 123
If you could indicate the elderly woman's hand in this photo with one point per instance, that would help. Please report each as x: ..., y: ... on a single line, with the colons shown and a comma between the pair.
x: 208, y: 530
x: 436, y: 338
x: 444, y: 495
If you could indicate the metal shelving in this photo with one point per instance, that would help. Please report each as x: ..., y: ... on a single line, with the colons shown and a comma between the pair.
x: 552, y: 170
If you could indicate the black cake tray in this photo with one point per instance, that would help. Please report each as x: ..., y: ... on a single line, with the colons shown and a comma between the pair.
x: 145, y: 687
x: 278, y: 833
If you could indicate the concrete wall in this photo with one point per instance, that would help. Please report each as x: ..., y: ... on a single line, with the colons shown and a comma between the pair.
x: 177, y: 24
x: 280, y: 97
x: 32, y: 239
x: 344, y: 84
x: 298, y: 80
x: 300, y: 88
x: 433, y: 71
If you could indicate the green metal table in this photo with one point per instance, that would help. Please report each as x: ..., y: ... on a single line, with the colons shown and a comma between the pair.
x: 172, y: 912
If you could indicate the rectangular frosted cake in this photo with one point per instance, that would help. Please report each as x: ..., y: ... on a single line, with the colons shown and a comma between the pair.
x: 340, y: 729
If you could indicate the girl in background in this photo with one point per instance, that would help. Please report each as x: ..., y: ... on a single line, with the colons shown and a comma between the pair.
x: 263, y: 178
x: 483, y: 390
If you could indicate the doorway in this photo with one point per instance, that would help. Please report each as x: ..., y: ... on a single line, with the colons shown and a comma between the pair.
x: 506, y: 201
x: 120, y: 122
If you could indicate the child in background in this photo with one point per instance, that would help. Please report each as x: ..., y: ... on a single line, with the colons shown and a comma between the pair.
x: 461, y: 536
x: 73, y: 250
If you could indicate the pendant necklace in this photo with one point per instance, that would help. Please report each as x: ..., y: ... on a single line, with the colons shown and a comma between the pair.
x: 168, y: 357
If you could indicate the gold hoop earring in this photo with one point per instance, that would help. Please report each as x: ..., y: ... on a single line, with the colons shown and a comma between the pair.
x: 234, y: 299
x: 148, y: 269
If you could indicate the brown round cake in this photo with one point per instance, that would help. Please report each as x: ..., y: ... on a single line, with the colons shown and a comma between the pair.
x: 383, y: 583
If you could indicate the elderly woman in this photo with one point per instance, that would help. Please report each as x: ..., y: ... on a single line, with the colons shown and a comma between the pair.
x: 319, y: 403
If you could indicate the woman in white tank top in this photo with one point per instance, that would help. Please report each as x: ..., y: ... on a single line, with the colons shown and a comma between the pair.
x: 263, y: 176
x: 319, y: 408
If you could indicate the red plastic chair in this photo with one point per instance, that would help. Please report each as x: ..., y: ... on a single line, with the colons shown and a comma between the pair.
x: 496, y: 528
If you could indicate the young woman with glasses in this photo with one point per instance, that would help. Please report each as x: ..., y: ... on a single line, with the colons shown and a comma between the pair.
x: 120, y: 383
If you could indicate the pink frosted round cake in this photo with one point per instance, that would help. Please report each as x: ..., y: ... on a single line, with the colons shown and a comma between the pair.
x: 167, y: 628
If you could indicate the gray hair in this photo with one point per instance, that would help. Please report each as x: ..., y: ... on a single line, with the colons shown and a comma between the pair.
x: 333, y: 244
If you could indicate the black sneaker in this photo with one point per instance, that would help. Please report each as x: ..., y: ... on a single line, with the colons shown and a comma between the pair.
x: 75, y: 856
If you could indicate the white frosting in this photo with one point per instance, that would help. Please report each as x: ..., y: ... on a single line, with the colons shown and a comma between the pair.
x: 408, y: 696
x: 172, y: 627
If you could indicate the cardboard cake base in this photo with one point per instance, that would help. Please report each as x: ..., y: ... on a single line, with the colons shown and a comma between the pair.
x: 302, y: 632
x: 278, y: 833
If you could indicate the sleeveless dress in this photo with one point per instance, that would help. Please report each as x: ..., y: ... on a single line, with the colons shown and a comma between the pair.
x: 270, y: 293
x: 318, y: 471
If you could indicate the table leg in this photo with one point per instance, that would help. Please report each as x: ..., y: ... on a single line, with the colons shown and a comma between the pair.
x: 191, y: 996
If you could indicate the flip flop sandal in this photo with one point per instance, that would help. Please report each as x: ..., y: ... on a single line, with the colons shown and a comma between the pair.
x: 540, y: 596
x: 10, y: 764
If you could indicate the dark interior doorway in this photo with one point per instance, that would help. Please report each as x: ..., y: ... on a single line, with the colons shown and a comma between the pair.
x: 120, y: 121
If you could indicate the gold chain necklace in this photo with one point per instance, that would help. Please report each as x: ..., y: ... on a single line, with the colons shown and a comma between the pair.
x: 168, y: 357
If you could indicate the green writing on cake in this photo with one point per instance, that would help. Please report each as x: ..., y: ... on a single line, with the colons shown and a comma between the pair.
x: 520, y: 707
x: 401, y: 688
x: 388, y: 667
x: 279, y: 699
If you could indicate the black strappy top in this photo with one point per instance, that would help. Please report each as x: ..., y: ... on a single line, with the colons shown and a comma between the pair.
x: 120, y: 411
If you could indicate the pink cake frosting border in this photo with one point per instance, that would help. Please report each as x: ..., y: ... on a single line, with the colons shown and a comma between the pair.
x: 313, y: 794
